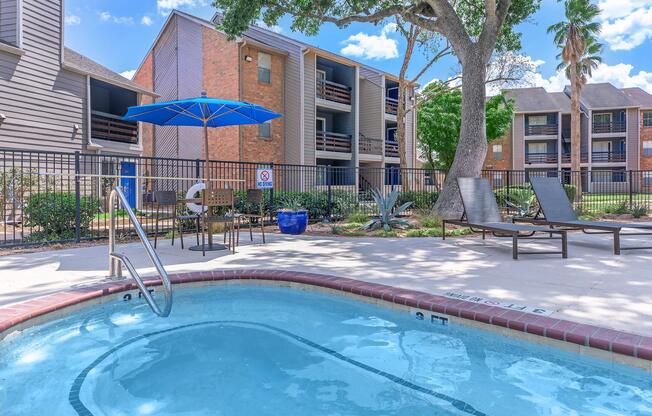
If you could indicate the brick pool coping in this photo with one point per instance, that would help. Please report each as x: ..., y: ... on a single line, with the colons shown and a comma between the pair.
x: 610, y: 340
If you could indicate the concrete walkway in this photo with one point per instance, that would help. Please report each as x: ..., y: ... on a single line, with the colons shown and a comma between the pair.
x: 592, y: 286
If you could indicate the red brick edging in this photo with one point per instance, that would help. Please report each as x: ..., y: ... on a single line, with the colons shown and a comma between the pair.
x: 558, y: 329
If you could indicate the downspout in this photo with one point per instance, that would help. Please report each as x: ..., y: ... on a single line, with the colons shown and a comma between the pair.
x: 302, y: 100
x: 240, y: 97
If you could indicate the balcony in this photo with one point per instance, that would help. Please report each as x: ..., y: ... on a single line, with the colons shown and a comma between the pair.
x: 332, y: 91
x: 566, y: 157
x: 111, y: 127
x: 391, y: 149
x: 391, y: 105
x: 612, y: 127
x: 370, y: 146
x: 608, y: 157
x: 542, y: 130
x: 533, y: 158
x: 327, y: 141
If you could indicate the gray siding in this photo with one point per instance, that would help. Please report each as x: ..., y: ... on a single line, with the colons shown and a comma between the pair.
x: 309, y: 109
x: 9, y: 21
x: 165, y: 84
x: 371, y: 104
x: 518, y: 142
x: 292, y: 114
x: 42, y: 102
x: 190, y: 44
x: 633, y: 132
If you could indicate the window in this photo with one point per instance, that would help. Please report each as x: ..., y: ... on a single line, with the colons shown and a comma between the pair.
x: 647, y: 148
x: 497, y: 151
x: 264, y: 68
x: 537, y: 148
x: 604, y: 118
x: 320, y: 124
x: 537, y: 120
x: 265, y: 130
x: 647, y: 178
x: 647, y: 118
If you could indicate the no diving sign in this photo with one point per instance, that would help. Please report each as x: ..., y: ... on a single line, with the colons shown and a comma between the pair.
x: 264, y: 178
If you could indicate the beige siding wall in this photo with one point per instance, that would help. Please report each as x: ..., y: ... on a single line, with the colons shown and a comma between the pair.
x: 165, y: 84
x: 309, y: 108
x: 633, y: 133
x: 371, y: 106
x: 42, y: 102
x: 518, y: 142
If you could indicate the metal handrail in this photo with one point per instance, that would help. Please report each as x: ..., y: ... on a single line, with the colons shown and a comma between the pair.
x: 115, y: 259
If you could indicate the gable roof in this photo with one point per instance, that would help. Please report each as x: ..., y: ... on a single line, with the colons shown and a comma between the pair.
x: 639, y: 97
x: 532, y: 100
x: 77, y: 62
x: 562, y: 100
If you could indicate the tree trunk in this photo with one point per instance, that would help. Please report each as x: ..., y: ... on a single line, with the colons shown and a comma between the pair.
x: 472, y: 147
x: 400, y: 134
x: 576, y: 137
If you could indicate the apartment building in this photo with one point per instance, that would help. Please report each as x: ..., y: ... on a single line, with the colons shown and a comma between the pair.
x: 53, y: 98
x: 337, y: 112
x: 614, y: 133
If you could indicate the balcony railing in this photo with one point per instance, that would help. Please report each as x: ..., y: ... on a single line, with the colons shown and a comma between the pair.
x: 111, y: 127
x: 391, y: 105
x: 542, y: 130
x: 333, y: 142
x: 370, y: 146
x: 566, y: 157
x: 332, y: 91
x: 541, y: 157
x: 391, y: 149
x: 613, y: 127
x: 606, y: 157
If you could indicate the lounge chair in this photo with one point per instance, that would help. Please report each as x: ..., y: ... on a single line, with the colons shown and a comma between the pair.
x: 558, y: 212
x: 481, y: 212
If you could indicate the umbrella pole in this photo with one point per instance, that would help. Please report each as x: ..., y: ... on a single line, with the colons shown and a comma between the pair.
x: 207, y: 181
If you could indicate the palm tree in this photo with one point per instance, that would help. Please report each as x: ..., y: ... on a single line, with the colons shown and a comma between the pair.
x: 576, y: 37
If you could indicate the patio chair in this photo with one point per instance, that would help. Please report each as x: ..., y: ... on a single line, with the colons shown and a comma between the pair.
x: 481, y: 212
x: 256, y: 199
x: 558, y: 212
x: 167, y: 200
x: 216, y: 198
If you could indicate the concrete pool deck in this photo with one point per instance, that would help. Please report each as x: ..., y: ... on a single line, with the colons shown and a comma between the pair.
x: 592, y: 286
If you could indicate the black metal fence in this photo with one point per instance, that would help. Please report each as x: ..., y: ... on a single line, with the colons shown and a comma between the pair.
x: 62, y: 197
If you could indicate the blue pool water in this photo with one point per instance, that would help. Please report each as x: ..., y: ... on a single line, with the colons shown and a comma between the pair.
x: 257, y: 350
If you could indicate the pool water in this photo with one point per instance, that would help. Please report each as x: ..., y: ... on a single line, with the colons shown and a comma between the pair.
x: 259, y: 350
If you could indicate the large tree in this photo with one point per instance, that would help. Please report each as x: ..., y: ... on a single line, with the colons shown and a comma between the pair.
x: 576, y: 37
x: 474, y: 29
x: 439, y: 124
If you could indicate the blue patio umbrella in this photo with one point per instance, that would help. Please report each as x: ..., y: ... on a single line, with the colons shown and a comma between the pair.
x: 201, y: 112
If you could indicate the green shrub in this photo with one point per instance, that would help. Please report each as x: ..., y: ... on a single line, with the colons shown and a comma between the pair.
x: 357, y: 217
x: 638, y: 211
x: 522, y: 192
x: 620, y: 208
x: 419, y: 199
x: 430, y: 222
x: 53, y: 213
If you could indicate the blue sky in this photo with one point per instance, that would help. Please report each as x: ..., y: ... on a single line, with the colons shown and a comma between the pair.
x: 118, y: 33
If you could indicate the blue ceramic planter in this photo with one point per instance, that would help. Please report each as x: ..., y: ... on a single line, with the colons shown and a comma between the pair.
x: 292, y: 222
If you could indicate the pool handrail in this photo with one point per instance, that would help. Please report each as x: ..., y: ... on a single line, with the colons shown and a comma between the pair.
x: 115, y: 259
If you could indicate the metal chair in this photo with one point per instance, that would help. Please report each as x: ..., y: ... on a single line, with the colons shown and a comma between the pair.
x: 254, y: 197
x: 215, y: 198
x: 168, y: 200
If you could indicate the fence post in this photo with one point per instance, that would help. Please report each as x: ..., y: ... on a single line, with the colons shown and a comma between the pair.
x: 197, y: 169
x: 631, y: 182
x: 329, y: 209
x: 77, y: 199
x: 271, y: 191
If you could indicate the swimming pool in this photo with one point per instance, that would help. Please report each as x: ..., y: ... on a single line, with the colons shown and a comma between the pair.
x: 257, y: 350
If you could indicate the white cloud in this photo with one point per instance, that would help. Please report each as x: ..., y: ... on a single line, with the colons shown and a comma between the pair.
x: 72, y: 20
x: 146, y: 20
x: 626, y: 24
x: 620, y: 75
x: 166, y: 6
x: 128, y: 74
x: 121, y: 20
x: 275, y: 28
x: 363, y: 45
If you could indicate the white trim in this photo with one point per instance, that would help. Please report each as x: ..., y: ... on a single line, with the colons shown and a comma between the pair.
x: 62, y: 34
x: 19, y: 23
x: 90, y: 145
x: 323, y: 120
x: 320, y: 71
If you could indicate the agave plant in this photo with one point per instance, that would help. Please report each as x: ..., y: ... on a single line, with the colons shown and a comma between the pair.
x: 388, y: 217
x: 523, y: 201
